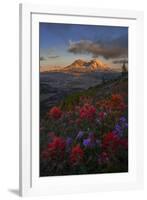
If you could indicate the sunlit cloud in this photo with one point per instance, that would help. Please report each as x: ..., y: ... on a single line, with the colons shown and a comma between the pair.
x: 111, y: 49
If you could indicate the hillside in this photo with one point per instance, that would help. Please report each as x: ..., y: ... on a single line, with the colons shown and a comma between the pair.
x: 101, y: 91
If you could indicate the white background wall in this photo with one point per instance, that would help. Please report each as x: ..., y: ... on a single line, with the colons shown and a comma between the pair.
x: 9, y: 102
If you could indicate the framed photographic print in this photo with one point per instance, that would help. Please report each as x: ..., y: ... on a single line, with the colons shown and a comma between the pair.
x: 81, y: 97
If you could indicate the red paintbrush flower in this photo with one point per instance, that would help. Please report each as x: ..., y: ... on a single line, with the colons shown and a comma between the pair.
x: 87, y: 112
x: 55, y: 112
x: 102, y: 115
x: 116, y: 99
x: 76, y: 154
x: 57, y: 147
x: 110, y: 141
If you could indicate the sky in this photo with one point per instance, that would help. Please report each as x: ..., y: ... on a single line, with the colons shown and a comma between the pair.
x: 62, y: 44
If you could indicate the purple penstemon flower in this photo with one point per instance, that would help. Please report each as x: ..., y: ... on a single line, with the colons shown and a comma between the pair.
x: 121, y: 126
x: 122, y: 120
x: 87, y: 142
x: 68, y: 141
x: 118, y: 130
x: 80, y: 135
x: 126, y: 125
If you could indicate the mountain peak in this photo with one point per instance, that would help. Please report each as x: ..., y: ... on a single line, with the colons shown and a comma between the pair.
x: 81, y: 66
x: 78, y: 62
x: 87, y: 66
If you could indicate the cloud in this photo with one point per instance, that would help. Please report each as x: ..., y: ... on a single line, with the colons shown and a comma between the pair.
x: 120, y: 61
x: 53, y: 56
x: 42, y: 58
x: 117, y: 48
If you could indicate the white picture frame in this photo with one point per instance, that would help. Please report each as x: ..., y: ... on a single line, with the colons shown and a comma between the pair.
x: 30, y: 182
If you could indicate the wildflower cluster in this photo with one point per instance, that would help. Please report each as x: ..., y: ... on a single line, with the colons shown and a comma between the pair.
x: 90, y: 138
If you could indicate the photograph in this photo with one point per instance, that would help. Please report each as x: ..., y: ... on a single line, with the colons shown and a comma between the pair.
x: 83, y: 97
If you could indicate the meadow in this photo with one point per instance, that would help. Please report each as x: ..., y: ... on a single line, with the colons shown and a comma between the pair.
x: 86, y: 132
